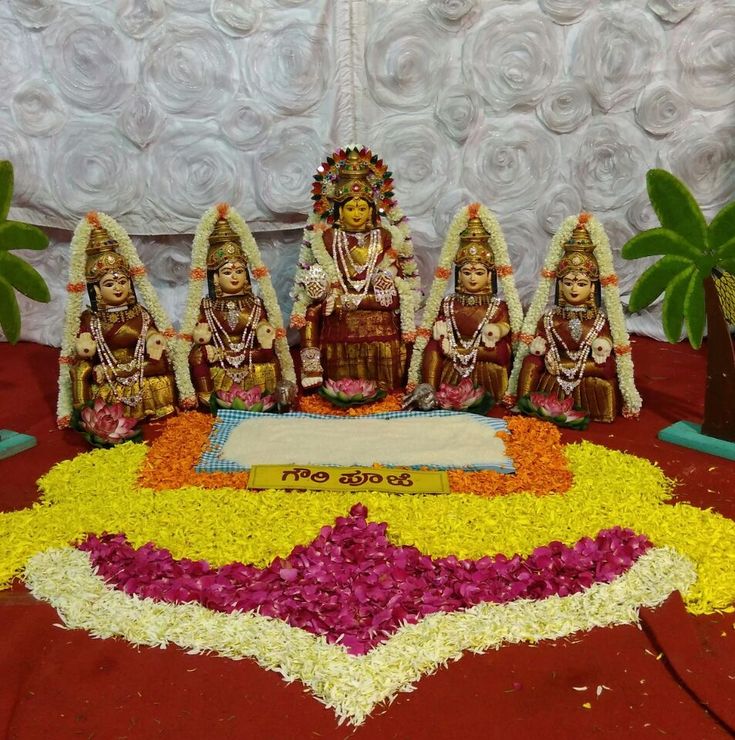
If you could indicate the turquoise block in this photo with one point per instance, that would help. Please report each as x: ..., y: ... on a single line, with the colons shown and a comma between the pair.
x: 11, y: 443
x: 687, y: 434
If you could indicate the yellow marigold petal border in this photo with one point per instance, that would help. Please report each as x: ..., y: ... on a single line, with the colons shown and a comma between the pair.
x: 98, y: 491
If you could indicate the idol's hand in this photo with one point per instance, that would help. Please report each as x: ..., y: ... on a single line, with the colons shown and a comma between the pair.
x: 265, y: 334
x: 155, y: 345
x: 330, y: 303
x: 538, y: 346
x: 85, y: 345
x: 490, y: 335
x: 601, y: 349
x: 213, y: 353
x: 422, y: 397
x: 552, y: 366
x: 202, y: 333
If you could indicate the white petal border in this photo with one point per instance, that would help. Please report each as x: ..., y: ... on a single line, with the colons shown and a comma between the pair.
x: 351, y: 686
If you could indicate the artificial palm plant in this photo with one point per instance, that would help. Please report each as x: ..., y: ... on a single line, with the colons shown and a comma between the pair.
x: 695, y: 273
x: 16, y: 273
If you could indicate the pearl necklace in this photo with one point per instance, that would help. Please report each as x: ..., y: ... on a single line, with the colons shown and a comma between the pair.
x: 572, y: 375
x: 463, y: 352
x: 233, y: 354
x: 125, y: 374
x: 355, y: 290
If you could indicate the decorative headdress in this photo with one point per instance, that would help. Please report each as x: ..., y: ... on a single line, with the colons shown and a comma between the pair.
x: 102, y: 256
x: 579, y: 254
x: 224, y: 246
x: 474, y: 245
x: 352, y: 173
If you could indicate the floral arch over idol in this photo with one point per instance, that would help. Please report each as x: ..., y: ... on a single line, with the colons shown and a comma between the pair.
x: 356, y: 286
x: 116, y: 351
x: 466, y: 337
x: 239, y: 341
x: 580, y: 347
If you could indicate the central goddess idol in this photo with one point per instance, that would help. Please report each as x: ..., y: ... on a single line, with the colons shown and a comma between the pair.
x: 357, y: 283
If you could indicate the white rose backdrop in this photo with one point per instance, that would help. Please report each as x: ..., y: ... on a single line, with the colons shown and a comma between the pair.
x: 153, y: 110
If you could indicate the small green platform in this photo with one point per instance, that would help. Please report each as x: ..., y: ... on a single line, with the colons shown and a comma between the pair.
x: 12, y: 443
x: 687, y: 434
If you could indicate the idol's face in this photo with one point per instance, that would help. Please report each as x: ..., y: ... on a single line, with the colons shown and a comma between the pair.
x: 114, y: 289
x: 474, y: 278
x: 576, y: 288
x: 355, y: 214
x: 232, y: 278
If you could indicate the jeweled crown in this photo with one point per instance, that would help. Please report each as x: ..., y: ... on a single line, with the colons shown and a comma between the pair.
x: 102, y: 256
x: 474, y: 245
x: 578, y: 254
x: 353, y: 179
x: 224, y: 246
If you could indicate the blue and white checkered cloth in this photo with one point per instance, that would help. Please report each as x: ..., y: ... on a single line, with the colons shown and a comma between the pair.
x: 228, y: 419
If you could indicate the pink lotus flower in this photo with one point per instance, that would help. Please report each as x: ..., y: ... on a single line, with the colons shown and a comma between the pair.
x: 350, y: 389
x: 555, y: 408
x: 242, y: 400
x: 108, y: 423
x: 459, y: 397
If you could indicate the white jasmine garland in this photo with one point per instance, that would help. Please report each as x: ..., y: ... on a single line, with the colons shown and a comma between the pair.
x: 72, y: 318
x: 446, y: 264
x: 632, y: 401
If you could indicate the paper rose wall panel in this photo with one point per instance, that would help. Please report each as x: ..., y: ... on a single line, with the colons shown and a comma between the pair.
x: 154, y: 110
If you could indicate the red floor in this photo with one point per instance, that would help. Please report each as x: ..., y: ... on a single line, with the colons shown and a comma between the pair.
x: 675, y: 676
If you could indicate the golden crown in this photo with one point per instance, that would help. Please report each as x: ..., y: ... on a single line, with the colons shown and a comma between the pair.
x: 224, y: 246
x: 352, y: 181
x: 102, y: 256
x: 474, y: 245
x: 578, y: 255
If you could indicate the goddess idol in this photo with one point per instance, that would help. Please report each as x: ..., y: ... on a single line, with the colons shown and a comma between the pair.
x: 238, y: 337
x: 468, y: 333
x: 357, y: 282
x: 579, y: 347
x: 115, y: 350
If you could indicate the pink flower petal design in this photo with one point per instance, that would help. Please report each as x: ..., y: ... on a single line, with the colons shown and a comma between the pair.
x: 355, y: 587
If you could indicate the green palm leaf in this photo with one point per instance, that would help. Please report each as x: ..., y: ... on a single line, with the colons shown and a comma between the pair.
x: 728, y: 265
x: 722, y: 227
x: 654, y: 280
x: 726, y: 250
x: 659, y: 241
x: 17, y: 235
x: 694, y: 310
x: 675, y: 206
x: 6, y: 188
x: 672, y: 315
x: 9, y: 311
x: 23, y: 277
